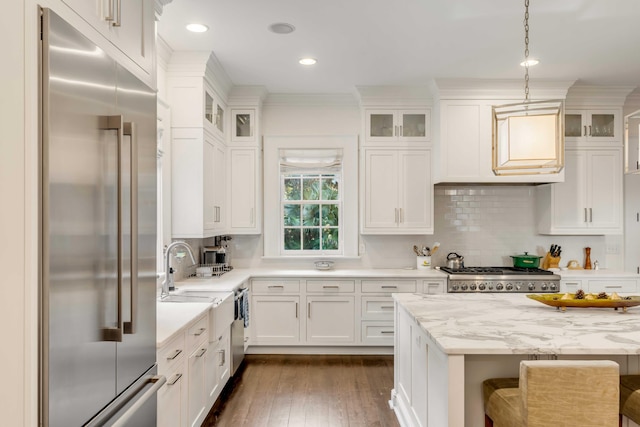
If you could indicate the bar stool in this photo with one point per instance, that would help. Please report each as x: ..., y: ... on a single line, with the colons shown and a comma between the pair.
x: 559, y: 393
x: 630, y: 397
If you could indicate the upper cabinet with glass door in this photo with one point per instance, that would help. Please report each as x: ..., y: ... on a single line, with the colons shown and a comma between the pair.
x: 384, y: 126
x: 593, y: 126
x: 214, y: 111
x: 243, y: 125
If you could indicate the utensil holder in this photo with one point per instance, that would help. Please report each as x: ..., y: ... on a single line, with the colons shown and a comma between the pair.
x: 550, y: 262
x: 423, y: 262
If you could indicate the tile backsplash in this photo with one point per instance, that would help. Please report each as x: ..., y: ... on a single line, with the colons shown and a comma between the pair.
x: 484, y: 223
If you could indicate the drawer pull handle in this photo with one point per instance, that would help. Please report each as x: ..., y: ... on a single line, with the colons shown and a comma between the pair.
x: 174, y: 355
x: 201, y: 352
x: 199, y: 332
x: 330, y: 286
x: 386, y: 332
x: 174, y: 379
x: 386, y: 307
x: 276, y: 287
x: 613, y: 287
x: 389, y: 287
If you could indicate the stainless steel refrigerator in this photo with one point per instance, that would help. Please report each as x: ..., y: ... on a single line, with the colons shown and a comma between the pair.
x: 98, y: 236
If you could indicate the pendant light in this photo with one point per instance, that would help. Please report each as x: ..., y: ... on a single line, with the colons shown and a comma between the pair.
x: 528, y: 137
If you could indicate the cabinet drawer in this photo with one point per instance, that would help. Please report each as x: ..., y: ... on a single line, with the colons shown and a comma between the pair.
x: 434, y: 287
x: 331, y: 286
x: 170, y: 354
x: 612, y: 285
x: 197, y: 333
x: 377, y: 308
x: 275, y: 286
x: 377, y: 333
x: 388, y: 286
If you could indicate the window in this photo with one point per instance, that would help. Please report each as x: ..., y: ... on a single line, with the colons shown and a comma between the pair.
x: 311, y: 207
x: 310, y: 196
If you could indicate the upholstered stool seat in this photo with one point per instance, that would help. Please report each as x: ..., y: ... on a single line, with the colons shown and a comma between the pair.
x: 559, y: 393
x: 630, y: 397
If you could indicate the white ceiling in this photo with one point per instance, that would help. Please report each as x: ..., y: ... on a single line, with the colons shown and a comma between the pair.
x: 409, y: 42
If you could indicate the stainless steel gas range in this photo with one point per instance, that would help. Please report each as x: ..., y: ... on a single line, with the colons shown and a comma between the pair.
x: 501, y: 279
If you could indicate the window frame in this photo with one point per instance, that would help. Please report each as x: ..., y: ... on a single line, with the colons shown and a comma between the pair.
x: 272, y: 187
x: 321, y: 202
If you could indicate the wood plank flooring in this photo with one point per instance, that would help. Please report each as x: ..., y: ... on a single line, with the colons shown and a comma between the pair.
x: 309, y: 391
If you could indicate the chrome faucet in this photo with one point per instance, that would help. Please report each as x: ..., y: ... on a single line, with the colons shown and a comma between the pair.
x: 168, y: 280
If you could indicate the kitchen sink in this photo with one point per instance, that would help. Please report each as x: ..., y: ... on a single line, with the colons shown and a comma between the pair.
x: 188, y: 298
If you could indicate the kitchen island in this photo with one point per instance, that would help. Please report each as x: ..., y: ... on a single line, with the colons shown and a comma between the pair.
x: 446, y: 345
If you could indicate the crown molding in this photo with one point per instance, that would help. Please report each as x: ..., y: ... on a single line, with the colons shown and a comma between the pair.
x: 311, y: 100
x: 394, y: 95
x: 503, y: 89
x: 247, y: 95
x: 592, y: 96
x: 201, y: 64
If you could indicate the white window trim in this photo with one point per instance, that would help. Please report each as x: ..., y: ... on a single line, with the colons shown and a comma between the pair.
x: 272, y: 210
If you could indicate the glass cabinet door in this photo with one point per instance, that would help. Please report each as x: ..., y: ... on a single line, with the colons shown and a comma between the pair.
x: 414, y: 125
x: 242, y: 125
x: 398, y: 125
x: 208, y: 107
x: 381, y: 125
x: 573, y: 125
x: 596, y: 126
x: 219, y: 118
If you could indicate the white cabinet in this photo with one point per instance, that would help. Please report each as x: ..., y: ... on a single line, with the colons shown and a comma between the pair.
x: 198, y: 184
x: 397, y: 125
x: 330, y: 319
x: 590, y: 199
x: 615, y: 283
x: 411, y: 363
x: 244, y: 191
x: 172, y: 397
x: 398, y: 192
x: 275, y: 319
x: 217, y: 363
x: 593, y: 126
x: 243, y: 125
x: 127, y: 24
x: 197, y: 401
x: 214, y: 113
x: 464, y: 152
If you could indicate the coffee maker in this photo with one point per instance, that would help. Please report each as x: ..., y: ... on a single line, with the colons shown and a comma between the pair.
x: 217, y: 254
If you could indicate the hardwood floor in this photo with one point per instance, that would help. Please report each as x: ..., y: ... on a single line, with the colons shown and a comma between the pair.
x: 308, y: 390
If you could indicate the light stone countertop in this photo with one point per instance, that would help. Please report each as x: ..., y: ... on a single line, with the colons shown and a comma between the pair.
x: 173, y: 317
x: 515, y: 324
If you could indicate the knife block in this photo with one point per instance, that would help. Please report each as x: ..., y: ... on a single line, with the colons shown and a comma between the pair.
x: 550, y: 261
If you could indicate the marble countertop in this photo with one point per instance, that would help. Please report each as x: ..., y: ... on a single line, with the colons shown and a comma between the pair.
x: 515, y: 324
x: 173, y: 317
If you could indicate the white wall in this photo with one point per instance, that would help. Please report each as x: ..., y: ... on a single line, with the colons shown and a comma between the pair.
x: 485, y: 224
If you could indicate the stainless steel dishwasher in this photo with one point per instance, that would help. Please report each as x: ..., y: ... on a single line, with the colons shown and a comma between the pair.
x: 240, y: 321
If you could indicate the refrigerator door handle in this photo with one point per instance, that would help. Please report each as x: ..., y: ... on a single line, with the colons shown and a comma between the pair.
x: 116, y: 123
x: 129, y: 129
x: 109, y: 412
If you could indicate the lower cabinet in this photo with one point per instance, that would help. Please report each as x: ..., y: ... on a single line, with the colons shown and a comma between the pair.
x: 275, y: 319
x: 621, y: 284
x: 330, y: 319
x: 329, y: 312
x: 197, y: 366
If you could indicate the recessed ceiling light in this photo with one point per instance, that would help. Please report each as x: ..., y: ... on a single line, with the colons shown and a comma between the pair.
x: 282, y: 28
x: 307, y: 61
x: 197, y: 28
x: 530, y: 62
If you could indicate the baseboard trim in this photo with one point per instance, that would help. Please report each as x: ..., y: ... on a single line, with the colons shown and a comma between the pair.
x: 318, y: 350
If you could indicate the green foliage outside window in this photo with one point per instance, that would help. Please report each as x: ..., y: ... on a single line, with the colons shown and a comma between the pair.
x: 311, y: 212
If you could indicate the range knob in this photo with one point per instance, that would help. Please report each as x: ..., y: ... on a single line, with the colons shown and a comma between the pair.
x: 454, y: 286
x: 499, y: 286
x: 531, y: 286
x: 464, y: 287
x: 554, y: 287
x: 481, y: 286
x: 472, y: 287
x: 490, y: 286
x: 509, y: 287
x: 544, y: 286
